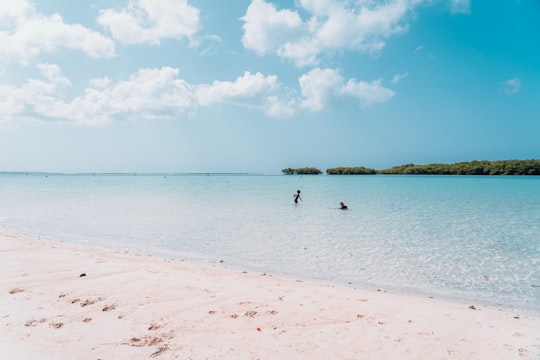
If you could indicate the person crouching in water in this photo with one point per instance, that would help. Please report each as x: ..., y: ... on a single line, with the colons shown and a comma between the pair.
x: 342, y: 206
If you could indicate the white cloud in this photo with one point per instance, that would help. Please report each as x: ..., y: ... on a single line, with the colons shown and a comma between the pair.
x: 362, y: 29
x: 10, y: 102
x: 15, y: 101
x: 208, y: 44
x: 460, y: 6
x: 149, y: 21
x: 25, y: 34
x: 246, y: 87
x: 511, y: 86
x: 319, y: 86
x: 368, y: 93
x: 54, y: 75
x: 303, y: 53
x: 278, y: 109
x: 398, y: 77
x: 100, y: 83
x: 9, y: 11
x: 160, y: 93
x: 250, y: 90
x: 148, y: 94
x: 332, y: 25
x: 266, y: 28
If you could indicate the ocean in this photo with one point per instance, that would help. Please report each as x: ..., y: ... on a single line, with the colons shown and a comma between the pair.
x: 469, y: 238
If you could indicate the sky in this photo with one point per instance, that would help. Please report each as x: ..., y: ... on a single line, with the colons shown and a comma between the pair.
x: 261, y: 85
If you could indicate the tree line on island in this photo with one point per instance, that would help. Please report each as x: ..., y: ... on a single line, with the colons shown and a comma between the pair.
x: 485, y: 167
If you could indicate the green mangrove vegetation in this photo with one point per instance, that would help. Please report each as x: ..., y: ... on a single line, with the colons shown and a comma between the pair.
x: 358, y: 170
x: 502, y: 167
x: 302, y: 171
x: 484, y: 167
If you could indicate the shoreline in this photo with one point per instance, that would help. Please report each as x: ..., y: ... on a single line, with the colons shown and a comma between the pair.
x: 129, y: 306
x: 235, y: 266
x: 232, y: 266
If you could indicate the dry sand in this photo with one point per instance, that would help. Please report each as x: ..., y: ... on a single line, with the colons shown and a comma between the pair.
x: 136, y: 307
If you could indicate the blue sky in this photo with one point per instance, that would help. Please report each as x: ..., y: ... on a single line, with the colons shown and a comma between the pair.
x: 260, y: 85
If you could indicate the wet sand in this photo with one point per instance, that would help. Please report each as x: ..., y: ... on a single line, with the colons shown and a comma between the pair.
x: 65, y: 301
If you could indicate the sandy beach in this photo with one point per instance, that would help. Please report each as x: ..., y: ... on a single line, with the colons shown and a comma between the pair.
x: 61, y: 301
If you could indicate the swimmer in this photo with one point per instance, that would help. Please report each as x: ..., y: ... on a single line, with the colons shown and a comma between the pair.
x: 342, y: 206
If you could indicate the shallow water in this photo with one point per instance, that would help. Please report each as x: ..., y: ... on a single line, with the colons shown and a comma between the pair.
x: 467, y: 237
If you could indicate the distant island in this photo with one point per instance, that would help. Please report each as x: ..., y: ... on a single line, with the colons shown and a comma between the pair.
x: 358, y: 170
x: 485, y: 167
x: 302, y: 171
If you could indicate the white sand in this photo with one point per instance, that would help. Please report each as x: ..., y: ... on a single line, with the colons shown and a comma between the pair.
x: 136, y: 307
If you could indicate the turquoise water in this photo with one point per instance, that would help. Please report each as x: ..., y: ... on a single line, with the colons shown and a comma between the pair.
x: 474, y: 238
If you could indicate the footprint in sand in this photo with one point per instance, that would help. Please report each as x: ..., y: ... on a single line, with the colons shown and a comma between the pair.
x: 159, y: 351
x: 34, y: 322
x: 87, y: 302
x: 90, y: 301
x: 15, y: 291
x: 145, y: 341
x: 109, y: 307
x: 56, y: 325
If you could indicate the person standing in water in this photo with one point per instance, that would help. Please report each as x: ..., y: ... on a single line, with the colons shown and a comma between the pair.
x: 297, y: 197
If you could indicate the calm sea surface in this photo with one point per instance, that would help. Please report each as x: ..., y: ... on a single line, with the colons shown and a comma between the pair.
x: 467, y: 237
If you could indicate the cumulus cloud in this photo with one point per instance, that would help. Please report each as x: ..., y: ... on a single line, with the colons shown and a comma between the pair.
x: 278, y: 109
x: 149, y: 21
x: 148, y: 94
x: 54, y: 75
x: 511, y: 86
x: 157, y: 93
x: 25, y: 34
x: 368, y: 93
x: 250, y: 90
x: 21, y: 100
x: 331, y: 25
x: 265, y: 27
x: 319, y: 86
x: 246, y: 87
